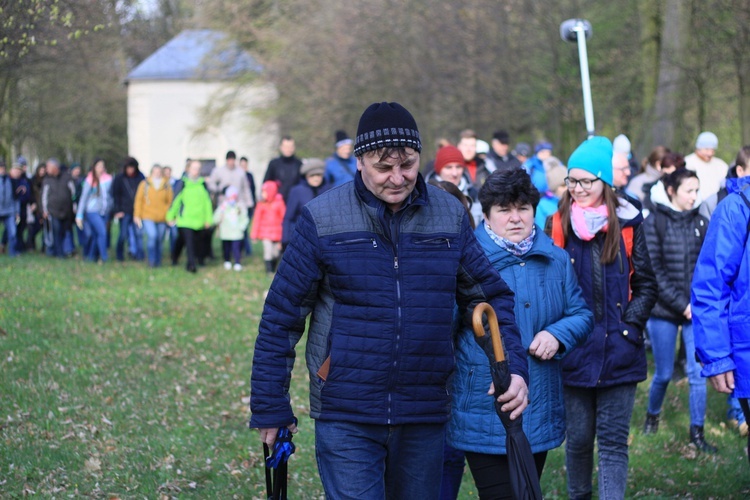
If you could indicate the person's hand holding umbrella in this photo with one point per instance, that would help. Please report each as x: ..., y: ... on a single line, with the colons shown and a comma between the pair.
x: 515, y: 399
x: 511, y: 400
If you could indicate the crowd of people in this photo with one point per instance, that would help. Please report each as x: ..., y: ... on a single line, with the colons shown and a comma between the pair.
x: 587, y: 264
x: 65, y: 210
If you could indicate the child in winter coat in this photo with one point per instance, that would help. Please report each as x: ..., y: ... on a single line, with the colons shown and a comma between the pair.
x: 232, y: 220
x: 267, y: 223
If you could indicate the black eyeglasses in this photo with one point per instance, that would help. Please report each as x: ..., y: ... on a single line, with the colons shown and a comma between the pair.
x: 586, y: 184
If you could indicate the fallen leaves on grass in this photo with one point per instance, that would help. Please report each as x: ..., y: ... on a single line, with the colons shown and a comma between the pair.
x: 93, y: 465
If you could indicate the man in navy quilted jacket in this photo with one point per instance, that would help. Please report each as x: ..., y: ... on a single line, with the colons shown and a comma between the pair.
x: 380, y: 263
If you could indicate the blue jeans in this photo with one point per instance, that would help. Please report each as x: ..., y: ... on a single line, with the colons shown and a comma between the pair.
x: 95, y: 231
x: 601, y: 414
x: 9, y: 221
x: 453, y: 472
x: 131, y: 234
x: 734, y: 409
x: 663, y: 343
x: 363, y: 462
x: 154, y: 239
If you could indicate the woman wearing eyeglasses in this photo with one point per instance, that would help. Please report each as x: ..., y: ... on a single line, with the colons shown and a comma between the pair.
x: 603, y: 234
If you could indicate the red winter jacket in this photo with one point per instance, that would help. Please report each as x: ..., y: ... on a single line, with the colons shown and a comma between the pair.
x: 269, y: 214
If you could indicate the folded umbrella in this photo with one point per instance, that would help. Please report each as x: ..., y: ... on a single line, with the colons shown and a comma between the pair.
x: 283, y: 448
x: 524, y: 479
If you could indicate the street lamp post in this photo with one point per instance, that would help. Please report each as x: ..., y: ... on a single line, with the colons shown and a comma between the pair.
x: 579, y: 30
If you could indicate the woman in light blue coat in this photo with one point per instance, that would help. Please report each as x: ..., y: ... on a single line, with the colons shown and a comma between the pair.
x: 552, y: 316
x: 93, y: 211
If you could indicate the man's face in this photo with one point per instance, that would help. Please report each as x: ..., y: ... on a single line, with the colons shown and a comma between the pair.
x: 15, y: 173
x: 75, y: 172
x: 705, y: 154
x: 3, y: 170
x: 53, y: 169
x: 167, y: 172
x: 344, y: 151
x: 620, y: 170
x: 499, y: 148
x: 243, y: 165
x: 231, y: 163
x: 287, y: 148
x: 391, y: 179
x: 130, y: 171
x: 468, y: 148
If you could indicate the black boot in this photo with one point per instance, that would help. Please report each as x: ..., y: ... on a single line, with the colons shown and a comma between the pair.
x: 652, y: 424
x: 698, y: 439
x: 269, y: 267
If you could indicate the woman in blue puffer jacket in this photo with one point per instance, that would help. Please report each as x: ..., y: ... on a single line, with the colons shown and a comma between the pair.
x: 720, y: 298
x: 552, y: 316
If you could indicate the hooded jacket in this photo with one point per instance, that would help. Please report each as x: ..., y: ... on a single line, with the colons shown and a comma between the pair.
x: 547, y: 297
x: 721, y: 291
x: 674, y: 240
x: 614, y: 353
x: 123, y: 191
x: 381, y: 289
x: 192, y: 207
x: 151, y: 202
x: 268, y: 219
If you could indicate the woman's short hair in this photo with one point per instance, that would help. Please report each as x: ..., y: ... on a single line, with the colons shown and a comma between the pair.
x: 506, y: 188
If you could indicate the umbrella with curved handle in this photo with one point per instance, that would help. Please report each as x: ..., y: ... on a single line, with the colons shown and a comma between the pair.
x: 524, y: 478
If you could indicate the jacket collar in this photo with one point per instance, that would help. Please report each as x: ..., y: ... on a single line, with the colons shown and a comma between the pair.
x: 542, y: 248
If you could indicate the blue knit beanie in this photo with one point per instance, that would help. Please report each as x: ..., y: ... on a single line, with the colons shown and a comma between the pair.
x: 594, y: 155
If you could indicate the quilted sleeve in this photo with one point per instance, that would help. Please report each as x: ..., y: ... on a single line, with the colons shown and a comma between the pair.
x: 290, y: 299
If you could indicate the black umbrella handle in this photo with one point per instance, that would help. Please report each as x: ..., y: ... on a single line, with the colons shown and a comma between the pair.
x: 497, y: 342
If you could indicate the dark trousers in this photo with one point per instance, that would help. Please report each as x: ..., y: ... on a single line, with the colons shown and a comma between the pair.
x: 746, y: 410
x: 204, y: 248
x: 491, y: 473
x: 60, y: 228
x: 34, y: 229
x: 232, y: 248
x: 191, y: 238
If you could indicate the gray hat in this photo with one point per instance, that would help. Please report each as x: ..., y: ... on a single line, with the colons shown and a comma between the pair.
x: 312, y: 166
x: 707, y: 140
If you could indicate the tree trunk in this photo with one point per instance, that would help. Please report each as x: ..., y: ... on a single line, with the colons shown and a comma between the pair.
x: 670, y: 73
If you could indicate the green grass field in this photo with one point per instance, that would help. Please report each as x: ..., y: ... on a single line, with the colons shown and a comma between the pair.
x: 122, y: 381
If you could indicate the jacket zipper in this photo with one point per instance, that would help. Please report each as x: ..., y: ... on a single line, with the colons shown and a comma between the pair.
x: 434, y: 241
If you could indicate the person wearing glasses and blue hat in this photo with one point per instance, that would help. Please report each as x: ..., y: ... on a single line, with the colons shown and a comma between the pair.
x: 603, y: 234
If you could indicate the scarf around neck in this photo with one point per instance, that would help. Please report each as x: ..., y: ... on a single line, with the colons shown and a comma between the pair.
x: 586, y: 222
x: 517, y: 249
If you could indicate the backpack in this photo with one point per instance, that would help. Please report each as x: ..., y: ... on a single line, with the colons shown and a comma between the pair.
x: 627, y: 235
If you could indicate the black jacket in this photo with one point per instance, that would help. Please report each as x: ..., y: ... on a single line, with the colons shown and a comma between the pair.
x: 284, y: 169
x: 123, y: 192
x: 674, y: 241
x: 57, y: 196
x: 494, y: 162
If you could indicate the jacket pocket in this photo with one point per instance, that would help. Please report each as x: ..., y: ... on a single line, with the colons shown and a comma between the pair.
x: 467, y: 388
x: 629, y: 332
x: 356, y: 241
x: 434, y: 242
